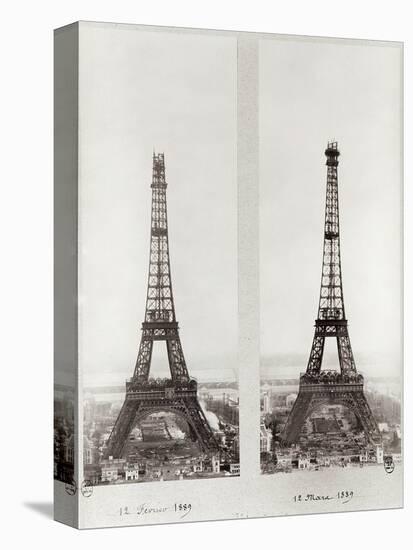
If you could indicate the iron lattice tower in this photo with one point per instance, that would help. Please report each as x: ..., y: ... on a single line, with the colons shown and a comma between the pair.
x: 177, y: 394
x: 318, y: 386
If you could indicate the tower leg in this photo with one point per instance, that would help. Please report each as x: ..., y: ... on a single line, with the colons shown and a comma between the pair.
x: 197, y: 419
x: 122, y: 429
x: 363, y: 413
x: 297, y: 418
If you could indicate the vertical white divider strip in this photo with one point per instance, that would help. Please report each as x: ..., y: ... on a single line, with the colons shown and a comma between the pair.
x: 248, y: 254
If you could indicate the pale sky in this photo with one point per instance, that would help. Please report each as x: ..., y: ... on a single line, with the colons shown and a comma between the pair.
x: 312, y: 91
x: 175, y: 93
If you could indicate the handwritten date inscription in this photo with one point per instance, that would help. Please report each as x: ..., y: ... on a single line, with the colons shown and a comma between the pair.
x: 343, y: 496
x: 181, y: 509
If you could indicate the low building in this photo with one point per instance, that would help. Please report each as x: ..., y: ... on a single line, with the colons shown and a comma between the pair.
x: 265, y: 439
x: 92, y: 473
x: 303, y: 462
x: 87, y: 451
x: 284, y: 459
x: 131, y: 472
x: 198, y: 467
x: 112, y: 469
x: 379, y: 454
x: 324, y: 461
x: 109, y: 473
x: 215, y: 464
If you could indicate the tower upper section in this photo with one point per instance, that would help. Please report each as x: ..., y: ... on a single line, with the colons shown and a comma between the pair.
x: 331, y: 305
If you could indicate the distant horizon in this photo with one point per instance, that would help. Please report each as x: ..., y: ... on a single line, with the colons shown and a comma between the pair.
x: 204, y: 376
x: 373, y: 364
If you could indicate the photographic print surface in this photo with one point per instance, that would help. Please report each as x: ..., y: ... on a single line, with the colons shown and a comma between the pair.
x: 228, y: 251
x: 159, y: 257
x: 330, y: 251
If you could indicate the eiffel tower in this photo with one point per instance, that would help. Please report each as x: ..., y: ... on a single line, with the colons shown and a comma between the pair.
x: 177, y: 394
x: 317, y: 386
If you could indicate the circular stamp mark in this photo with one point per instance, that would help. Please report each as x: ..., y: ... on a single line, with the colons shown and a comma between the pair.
x: 388, y: 464
x: 71, y: 487
x: 87, y: 488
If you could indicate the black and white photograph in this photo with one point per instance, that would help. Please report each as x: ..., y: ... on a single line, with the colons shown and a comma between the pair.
x: 158, y: 268
x: 206, y: 304
x: 228, y: 252
x: 331, y: 263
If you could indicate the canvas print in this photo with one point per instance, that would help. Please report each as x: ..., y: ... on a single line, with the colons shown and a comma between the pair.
x: 331, y: 246
x: 160, y: 244
x: 228, y: 275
